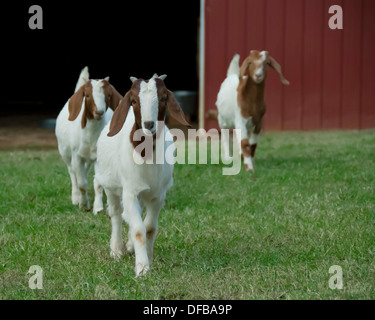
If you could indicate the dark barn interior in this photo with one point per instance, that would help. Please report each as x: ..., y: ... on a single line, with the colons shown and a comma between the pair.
x: 115, y: 39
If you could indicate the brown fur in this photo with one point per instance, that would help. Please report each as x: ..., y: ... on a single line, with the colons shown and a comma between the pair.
x: 211, y: 115
x: 112, y: 96
x: 166, y: 98
x: 150, y: 233
x: 250, y: 95
x: 139, y: 237
x: 252, y: 150
x: 112, y: 99
x: 245, y: 146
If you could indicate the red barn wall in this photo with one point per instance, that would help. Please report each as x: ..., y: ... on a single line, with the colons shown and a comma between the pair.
x: 332, y: 72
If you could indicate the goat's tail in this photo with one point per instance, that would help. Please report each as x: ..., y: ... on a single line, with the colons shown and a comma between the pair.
x: 83, y: 78
x: 234, y: 67
x: 211, y: 115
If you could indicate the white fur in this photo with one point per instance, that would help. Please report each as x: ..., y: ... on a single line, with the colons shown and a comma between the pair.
x: 83, y: 78
x: 229, y: 113
x: 77, y: 146
x: 98, y: 95
x: 130, y: 188
x: 234, y: 67
x: 148, y: 98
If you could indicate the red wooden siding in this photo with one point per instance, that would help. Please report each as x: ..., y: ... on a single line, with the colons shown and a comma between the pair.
x: 332, y: 72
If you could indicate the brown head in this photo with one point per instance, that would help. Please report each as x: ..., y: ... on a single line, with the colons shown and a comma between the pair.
x: 150, y: 99
x: 98, y: 96
x: 255, y: 67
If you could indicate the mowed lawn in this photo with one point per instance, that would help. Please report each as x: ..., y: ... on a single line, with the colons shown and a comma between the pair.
x: 269, y: 235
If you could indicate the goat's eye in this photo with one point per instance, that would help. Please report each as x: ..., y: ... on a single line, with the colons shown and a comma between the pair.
x: 133, y: 102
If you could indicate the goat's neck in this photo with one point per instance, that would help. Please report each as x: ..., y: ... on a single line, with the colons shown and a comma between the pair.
x: 255, y: 92
x: 93, y: 129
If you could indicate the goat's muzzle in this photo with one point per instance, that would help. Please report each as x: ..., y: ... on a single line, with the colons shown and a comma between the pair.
x: 98, y: 115
x: 149, y: 127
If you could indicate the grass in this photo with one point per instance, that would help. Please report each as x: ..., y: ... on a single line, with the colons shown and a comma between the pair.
x: 269, y: 235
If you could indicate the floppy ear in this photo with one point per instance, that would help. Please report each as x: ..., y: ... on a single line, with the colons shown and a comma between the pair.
x: 244, y: 70
x: 244, y: 74
x: 84, y: 118
x: 274, y: 65
x: 115, y: 98
x: 175, y: 110
x: 119, y: 116
x: 75, y: 103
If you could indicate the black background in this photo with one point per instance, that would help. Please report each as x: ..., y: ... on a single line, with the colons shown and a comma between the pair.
x: 118, y: 39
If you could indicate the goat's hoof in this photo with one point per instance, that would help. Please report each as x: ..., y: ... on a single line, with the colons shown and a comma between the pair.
x: 75, y: 200
x: 117, y: 250
x: 130, y: 247
x: 141, y: 270
x: 117, y: 254
x: 97, y: 209
x: 86, y: 207
x: 249, y: 169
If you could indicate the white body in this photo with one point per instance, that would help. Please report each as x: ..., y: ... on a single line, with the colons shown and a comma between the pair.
x: 130, y: 187
x: 229, y: 112
x: 77, y: 148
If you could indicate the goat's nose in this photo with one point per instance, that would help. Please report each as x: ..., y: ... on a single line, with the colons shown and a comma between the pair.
x: 99, y: 113
x: 149, y: 124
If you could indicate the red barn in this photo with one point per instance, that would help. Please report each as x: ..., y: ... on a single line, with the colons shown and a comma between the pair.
x: 332, y: 72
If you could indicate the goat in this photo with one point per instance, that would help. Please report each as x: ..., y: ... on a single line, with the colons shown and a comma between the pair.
x: 78, y: 126
x: 136, y: 186
x: 240, y: 102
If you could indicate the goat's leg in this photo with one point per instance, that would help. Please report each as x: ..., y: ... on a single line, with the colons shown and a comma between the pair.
x: 75, y: 190
x: 226, y: 151
x: 98, y: 202
x: 151, y: 223
x: 238, y: 142
x: 78, y: 164
x: 129, y: 244
x: 244, y: 144
x: 253, y: 141
x: 114, y: 211
x: 88, y: 165
x: 137, y: 231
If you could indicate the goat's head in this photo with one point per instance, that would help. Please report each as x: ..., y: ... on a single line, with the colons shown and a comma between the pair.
x: 150, y: 99
x: 255, y: 67
x: 99, y: 95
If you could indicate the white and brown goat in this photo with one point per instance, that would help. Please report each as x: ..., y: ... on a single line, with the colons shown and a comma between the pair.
x: 240, y: 101
x: 131, y: 187
x: 78, y: 127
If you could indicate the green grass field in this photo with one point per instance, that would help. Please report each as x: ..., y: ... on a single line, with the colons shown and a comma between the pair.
x: 269, y: 235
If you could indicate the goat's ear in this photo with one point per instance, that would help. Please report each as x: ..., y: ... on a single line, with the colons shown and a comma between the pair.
x: 175, y: 110
x: 244, y: 70
x: 84, y: 118
x: 75, y: 103
x: 119, y: 116
x: 115, y: 98
x: 275, y: 65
